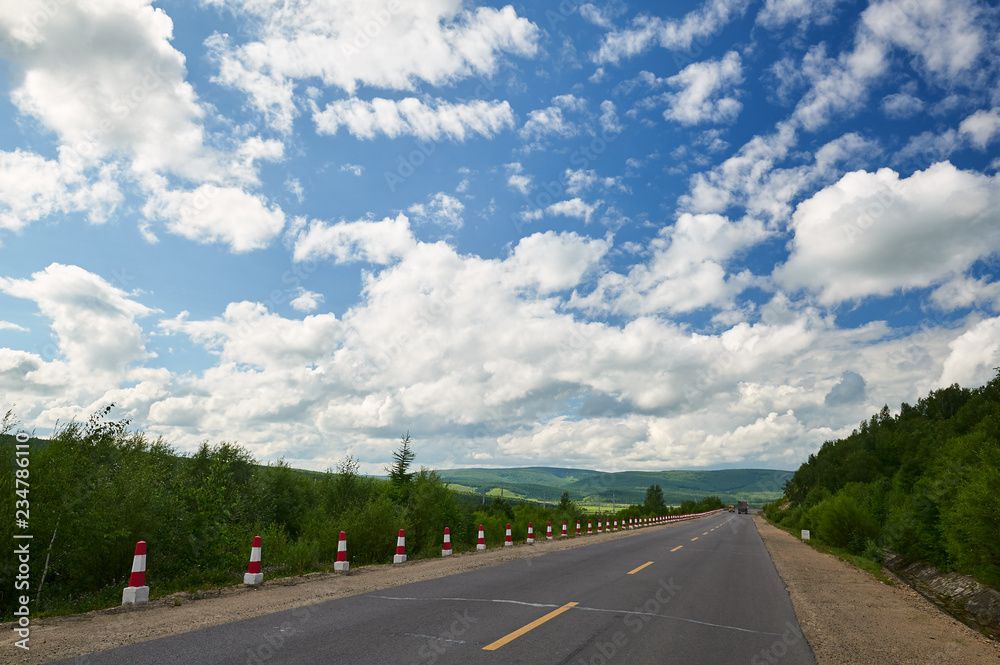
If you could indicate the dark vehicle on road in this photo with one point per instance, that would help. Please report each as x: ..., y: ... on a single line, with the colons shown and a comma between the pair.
x: 742, y: 508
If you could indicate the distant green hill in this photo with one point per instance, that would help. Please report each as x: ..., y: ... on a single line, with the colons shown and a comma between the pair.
x: 587, y: 487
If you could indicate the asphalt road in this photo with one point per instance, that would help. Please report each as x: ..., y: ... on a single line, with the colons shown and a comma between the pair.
x: 700, y: 592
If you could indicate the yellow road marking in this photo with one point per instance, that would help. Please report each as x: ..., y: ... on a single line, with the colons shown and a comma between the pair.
x: 632, y: 572
x: 531, y: 626
x: 694, y: 539
x: 705, y: 534
x: 676, y: 548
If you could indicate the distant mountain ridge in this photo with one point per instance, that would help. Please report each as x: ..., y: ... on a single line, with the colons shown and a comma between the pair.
x: 542, y: 483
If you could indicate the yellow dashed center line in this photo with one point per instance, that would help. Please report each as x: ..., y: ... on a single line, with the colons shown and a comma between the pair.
x: 632, y: 572
x: 676, y: 548
x: 694, y: 539
x: 531, y: 626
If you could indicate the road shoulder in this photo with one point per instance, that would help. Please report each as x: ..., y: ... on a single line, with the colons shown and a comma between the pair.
x: 849, y: 617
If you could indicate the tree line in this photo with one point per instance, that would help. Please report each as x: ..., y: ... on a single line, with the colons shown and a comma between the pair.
x: 98, y: 487
x: 923, y: 483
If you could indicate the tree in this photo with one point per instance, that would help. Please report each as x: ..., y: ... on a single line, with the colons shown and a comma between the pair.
x: 654, y: 501
x: 564, y: 502
x: 399, y: 472
x: 346, y: 489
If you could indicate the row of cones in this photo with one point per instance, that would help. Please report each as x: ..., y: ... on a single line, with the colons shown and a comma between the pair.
x: 137, y: 592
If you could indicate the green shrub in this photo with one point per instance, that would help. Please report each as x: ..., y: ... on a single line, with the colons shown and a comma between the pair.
x: 840, y: 521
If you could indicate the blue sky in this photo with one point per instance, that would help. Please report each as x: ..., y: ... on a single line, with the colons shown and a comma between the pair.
x: 616, y: 236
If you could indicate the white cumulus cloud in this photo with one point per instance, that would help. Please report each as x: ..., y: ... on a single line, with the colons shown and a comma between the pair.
x: 349, y: 43
x: 702, y: 89
x: 413, y: 117
x: 877, y: 233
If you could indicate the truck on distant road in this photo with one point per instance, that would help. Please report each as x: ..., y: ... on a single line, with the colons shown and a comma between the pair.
x: 742, y: 508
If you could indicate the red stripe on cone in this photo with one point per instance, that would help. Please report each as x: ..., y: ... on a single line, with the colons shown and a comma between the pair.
x: 138, y: 577
x: 446, y: 548
x: 254, y: 566
x: 481, y: 543
x: 341, y: 563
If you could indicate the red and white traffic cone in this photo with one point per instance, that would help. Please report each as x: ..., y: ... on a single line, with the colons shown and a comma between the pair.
x: 564, y: 534
x: 590, y: 527
x: 548, y: 532
x: 615, y: 527
x: 342, y: 564
x: 578, y: 527
x: 253, y: 575
x: 481, y: 543
x: 508, y: 542
x: 446, y: 548
x: 400, y: 548
x: 598, y: 526
x: 137, y: 593
x: 631, y: 524
x: 531, y: 534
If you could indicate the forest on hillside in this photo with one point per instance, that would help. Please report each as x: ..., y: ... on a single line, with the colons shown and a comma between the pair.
x: 923, y: 483
x: 592, y: 489
x: 94, y: 489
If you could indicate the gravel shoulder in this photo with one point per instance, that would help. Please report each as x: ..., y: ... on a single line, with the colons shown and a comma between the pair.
x: 849, y: 617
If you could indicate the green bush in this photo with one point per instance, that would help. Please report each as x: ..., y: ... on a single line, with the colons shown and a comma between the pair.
x: 840, y: 521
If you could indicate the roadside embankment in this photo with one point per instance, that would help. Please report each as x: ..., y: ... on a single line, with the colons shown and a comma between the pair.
x: 972, y: 603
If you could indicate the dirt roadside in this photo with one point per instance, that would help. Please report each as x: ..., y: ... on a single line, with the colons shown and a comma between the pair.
x: 849, y: 617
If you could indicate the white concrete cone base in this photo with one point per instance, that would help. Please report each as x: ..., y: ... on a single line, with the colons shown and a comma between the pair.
x: 253, y: 578
x: 342, y: 566
x: 399, y: 558
x: 135, y: 595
